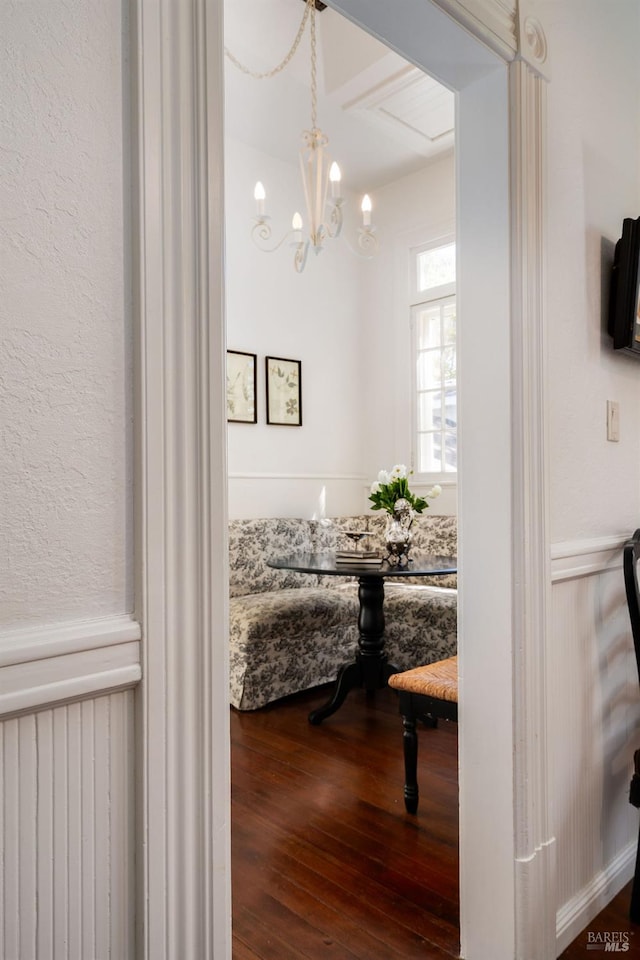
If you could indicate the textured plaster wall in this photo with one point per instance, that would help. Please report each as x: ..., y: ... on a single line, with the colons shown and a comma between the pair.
x: 65, y: 405
x: 593, y: 182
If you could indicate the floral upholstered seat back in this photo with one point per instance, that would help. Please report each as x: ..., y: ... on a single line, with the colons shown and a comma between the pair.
x: 437, y: 536
x: 253, y: 542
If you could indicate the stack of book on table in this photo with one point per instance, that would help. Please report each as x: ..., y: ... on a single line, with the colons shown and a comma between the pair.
x: 358, y: 558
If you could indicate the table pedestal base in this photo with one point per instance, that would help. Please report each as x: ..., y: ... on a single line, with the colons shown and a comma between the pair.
x: 370, y: 669
x: 367, y: 673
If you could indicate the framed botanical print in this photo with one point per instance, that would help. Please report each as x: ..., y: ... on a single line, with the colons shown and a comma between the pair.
x: 284, y: 391
x: 241, y: 387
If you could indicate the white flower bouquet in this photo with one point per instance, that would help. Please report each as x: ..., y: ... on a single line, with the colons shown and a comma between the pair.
x: 393, y: 485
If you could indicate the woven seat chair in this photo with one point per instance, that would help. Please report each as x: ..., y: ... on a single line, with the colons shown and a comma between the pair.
x: 428, y: 693
x: 630, y: 557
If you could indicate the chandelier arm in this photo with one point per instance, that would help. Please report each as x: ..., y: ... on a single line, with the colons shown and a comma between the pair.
x: 267, y: 74
x: 367, y: 242
x: 334, y: 227
x: 300, y: 256
x: 261, y: 234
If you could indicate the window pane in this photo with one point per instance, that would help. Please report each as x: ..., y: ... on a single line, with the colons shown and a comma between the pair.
x: 429, y: 369
x: 428, y: 327
x: 436, y: 266
x: 429, y: 410
x: 451, y: 457
x: 434, y: 346
x: 449, y: 364
x: 449, y: 315
x: 451, y: 409
x: 430, y: 452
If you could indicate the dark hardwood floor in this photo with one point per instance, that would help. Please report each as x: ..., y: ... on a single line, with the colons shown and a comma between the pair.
x: 327, y: 865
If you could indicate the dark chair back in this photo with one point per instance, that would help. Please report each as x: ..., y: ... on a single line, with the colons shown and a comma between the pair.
x: 631, y: 555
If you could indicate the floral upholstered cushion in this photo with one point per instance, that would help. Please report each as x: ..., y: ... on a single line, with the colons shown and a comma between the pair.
x: 286, y: 617
x: 420, y: 624
x: 283, y: 673
x: 253, y: 542
x: 288, y: 640
x: 438, y: 535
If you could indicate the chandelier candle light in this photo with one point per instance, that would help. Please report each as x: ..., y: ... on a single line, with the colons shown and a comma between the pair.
x: 319, y: 178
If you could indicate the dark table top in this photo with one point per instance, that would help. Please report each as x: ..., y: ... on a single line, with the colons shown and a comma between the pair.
x: 420, y: 565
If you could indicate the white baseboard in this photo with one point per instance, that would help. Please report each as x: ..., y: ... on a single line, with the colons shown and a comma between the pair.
x: 575, y: 915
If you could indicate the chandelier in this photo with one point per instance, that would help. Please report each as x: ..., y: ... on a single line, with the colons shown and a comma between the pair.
x: 321, y: 180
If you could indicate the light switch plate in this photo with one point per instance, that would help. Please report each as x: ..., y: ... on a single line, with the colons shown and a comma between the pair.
x: 613, y: 420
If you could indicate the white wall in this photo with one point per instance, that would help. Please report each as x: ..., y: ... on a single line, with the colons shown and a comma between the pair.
x: 594, y: 140
x: 346, y: 319
x: 315, y: 317
x: 594, y: 496
x: 66, y: 587
x: 416, y: 209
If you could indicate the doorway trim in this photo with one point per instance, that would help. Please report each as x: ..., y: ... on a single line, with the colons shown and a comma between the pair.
x: 182, y: 714
x: 183, y: 746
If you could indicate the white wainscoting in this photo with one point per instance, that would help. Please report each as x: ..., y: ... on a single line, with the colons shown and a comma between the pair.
x: 594, y: 729
x: 67, y: 885
x: 68, y: 831
x: 296, y: 495
x: 316, y: 495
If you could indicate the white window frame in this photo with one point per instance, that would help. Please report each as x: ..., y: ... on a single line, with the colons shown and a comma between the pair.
x: 419, y: 298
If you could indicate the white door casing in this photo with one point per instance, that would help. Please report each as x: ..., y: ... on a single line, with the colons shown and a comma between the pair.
x: 506, y: 846
x: 183, y: 713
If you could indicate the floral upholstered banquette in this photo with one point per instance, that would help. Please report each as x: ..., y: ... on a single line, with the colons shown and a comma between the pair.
x: 290, y: 631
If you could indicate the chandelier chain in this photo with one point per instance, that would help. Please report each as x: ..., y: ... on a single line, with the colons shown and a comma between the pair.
x: 311, y: 5
x: 309, y: 8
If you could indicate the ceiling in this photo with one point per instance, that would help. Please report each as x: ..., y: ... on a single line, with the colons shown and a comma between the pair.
x: 384, y: 117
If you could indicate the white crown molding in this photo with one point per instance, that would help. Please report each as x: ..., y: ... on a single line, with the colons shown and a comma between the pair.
x: 534, y: 839
x: 39, y: 642
x: 492, y: 21
x: 504, y: 26
x: 183, y: 854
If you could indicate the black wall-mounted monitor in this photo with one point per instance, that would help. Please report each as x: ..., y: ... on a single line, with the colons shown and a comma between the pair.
x: 624, y: 299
